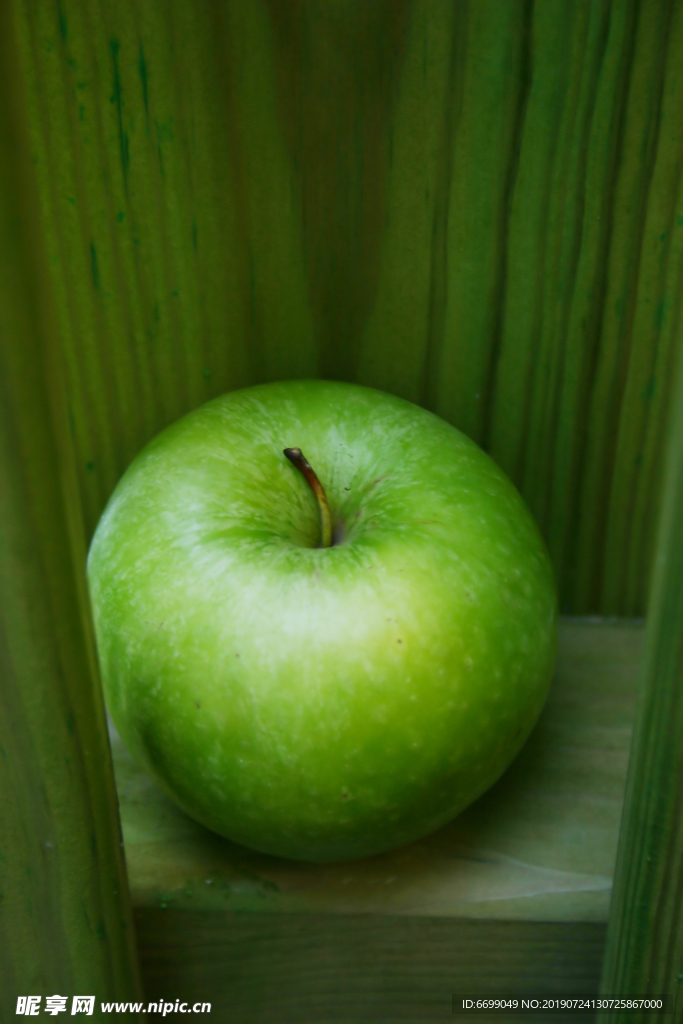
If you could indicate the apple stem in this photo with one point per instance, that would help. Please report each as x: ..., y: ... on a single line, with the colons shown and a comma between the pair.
x: 298, y: 459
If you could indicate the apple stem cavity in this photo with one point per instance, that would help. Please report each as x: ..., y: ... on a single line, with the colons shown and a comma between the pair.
x: 298, y: 459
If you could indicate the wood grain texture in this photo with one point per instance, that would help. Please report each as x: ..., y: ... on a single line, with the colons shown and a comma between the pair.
x: 474, y: 205
x: 311, y: 968
x: 645, y: 947
x: 539, y: 846
x: 65, y: 916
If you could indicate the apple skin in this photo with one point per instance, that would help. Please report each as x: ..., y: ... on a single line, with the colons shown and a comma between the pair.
x: 321, y: 704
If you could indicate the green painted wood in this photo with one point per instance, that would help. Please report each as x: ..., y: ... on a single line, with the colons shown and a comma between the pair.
x: 539, y: 846
x: 646, y: 215
x: 65, y: 917
x: 473, y: 205
x: 311, y: 968
x: 645, y: 941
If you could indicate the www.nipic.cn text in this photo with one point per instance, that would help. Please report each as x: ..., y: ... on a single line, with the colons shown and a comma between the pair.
x: 30, y: 1006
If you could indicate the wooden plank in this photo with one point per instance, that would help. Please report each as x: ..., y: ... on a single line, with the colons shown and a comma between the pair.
x: 540, y: 845
x: 645, y: 947
x: 65, y: 914
x: 655, y: 338
x: 274, y: 968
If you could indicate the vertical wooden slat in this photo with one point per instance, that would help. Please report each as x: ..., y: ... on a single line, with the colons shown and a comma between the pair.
x: 647, y: 385
x: 610, y: 408
x: 65, y: 917
x: 563, y: 246
x: 644, y: 951
x: 582, y: 340
x: 532, y: 246
x: 395, y: 332
x: 481, y: 163
x: 280, y: 337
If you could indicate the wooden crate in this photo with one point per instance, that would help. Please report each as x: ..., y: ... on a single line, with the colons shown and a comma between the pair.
x: 474, y: 205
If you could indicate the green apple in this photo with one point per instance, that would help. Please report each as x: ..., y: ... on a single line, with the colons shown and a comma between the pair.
x: 321, y: 702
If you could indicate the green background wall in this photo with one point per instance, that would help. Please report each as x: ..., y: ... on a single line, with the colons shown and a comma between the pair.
x: 475, y: 205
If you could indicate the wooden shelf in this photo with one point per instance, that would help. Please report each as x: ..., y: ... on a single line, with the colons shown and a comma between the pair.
x: 515, y: 890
